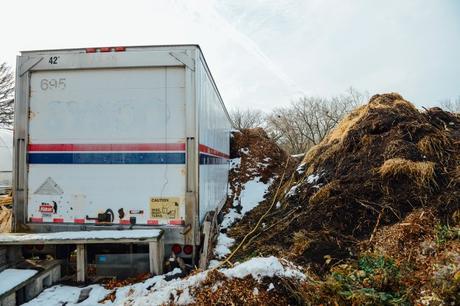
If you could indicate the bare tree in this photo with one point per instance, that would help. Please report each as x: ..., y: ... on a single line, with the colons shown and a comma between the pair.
x: 247, y: 118
x: 6, y: 95
x: 306, y: 121
x: 452, y: 105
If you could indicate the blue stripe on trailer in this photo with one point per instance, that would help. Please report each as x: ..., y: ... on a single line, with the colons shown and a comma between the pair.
x: 106, y: 158
x: 211, y: 160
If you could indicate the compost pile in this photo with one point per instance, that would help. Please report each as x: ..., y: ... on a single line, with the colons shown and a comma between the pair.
x: 382, y: 190
x: 254, y: 154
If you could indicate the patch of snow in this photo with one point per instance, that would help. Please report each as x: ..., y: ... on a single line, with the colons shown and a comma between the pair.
x: 224, y: 243
x: 298, y: 155
x: 163, y: 290
x: 230, y: 218
x: 278, y: 204
x: 67, y: 295
x: 291, y: 191
x: 301, y: 168
x: 270, y: 287
x: 252, y: 194
x: 235, y: 163
x: 78, y: 235
x: 312, y: 178
x: 255, y: 291
x: 260, y: 267
x: 213, y: 264
x: 10, y: 278
x: 244, y: 151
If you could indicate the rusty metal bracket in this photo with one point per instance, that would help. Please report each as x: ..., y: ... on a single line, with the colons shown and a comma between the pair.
x: 187, y: 229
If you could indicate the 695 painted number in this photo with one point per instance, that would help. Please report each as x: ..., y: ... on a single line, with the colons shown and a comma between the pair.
x: 46, y: 84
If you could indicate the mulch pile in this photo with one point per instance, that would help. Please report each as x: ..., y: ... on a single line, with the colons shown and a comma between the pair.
x: 385, y: 181
x: 258, y: 156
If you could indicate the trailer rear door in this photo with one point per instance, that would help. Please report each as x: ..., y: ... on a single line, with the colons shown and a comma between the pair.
x: 107, y: 140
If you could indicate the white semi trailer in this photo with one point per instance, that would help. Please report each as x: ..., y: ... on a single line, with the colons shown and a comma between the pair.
x: 119, y: 138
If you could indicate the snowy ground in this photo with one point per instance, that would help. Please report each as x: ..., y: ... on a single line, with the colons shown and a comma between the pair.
x: 158, y: 291
x: 10, y: 278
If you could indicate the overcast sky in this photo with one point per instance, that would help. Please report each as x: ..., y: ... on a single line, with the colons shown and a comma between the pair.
x: 263, y: 54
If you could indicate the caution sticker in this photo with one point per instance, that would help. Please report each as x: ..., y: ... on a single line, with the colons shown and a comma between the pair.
x: 164, y: 208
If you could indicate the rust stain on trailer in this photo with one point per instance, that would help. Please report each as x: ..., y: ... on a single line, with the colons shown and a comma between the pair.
x: 31, y: 115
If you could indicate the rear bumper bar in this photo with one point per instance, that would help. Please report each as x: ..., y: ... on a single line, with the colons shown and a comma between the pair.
x: 172, y: 234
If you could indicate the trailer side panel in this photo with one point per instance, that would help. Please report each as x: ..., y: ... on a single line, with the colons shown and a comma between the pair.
x: 214, y: 147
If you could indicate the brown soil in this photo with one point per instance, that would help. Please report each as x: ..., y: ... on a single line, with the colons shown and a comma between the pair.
x: 237, y: 291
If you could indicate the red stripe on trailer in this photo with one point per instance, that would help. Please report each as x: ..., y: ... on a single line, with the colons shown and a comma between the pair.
x: 208, y: 150
x: 108, y: 147
x: 36, y: 220
x: 125, y: 222
x: 58, y: 220
x: 152, y: 222
x: 80, y: 221
x: 176, y: 222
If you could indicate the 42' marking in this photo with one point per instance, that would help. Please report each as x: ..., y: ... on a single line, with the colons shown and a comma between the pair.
x: 53, y: 60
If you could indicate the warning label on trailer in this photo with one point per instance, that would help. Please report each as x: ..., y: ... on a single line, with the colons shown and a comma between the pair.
x: 164, y: 208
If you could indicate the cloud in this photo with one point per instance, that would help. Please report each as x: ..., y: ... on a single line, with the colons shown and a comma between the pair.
x: 265, y: 53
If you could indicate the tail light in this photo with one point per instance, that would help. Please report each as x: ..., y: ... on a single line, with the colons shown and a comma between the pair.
x: 188, y: 249
x: 176, y: 249
x: 105, y: 49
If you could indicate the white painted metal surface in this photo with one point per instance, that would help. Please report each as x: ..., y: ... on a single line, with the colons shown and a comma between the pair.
x: 93, y: 108
x: 214, y: 130
x: 6, y: 159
